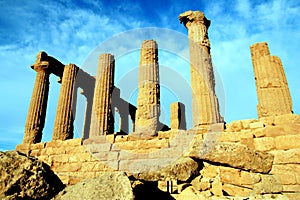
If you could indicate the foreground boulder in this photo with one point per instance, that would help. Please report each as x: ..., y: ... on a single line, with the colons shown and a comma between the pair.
x: 183, y: 169
x: 111, y: 185
x: 235, y: 155
x: 24, y: 177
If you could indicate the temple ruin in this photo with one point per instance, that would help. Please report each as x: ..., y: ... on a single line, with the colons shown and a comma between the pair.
x: 271, y: 85
x: 236, y: 159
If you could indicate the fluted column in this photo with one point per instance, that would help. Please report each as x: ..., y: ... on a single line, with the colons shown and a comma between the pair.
x: 35, y: 120
x: 271, y: 85
x: 102, y: 122
x: 204, y: 101
x: 148, y: 101
x: 63, y: 125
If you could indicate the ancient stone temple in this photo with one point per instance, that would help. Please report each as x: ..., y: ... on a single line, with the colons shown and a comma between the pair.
x: 243, y: 159
x: 102, y: 121
x: 148, y: 102
x: 271, y: 85
x: 204, y: 103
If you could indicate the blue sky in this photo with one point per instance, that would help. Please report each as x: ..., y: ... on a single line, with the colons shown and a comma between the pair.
x: 71, y: 30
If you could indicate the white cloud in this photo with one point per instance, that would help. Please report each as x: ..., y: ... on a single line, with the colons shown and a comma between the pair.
x: 231, y: 36
x: 65, y: 31
x: 69, y: 32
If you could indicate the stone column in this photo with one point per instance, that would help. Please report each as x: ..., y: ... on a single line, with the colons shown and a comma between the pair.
x: 204, y: 101
x: 38, y: 104
x: 148, y: 101
x: 63, y: 124
x: 177, y: 116
x: 271, y: 85
x: 102, y: 122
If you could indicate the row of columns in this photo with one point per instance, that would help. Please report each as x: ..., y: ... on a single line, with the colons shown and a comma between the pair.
x: 205, y: 103
x: 63, y: 125
x: 272, y: 89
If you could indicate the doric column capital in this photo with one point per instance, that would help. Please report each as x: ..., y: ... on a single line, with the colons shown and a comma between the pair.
x: 41, y: 66
x: 41, y: 62
x: 193, y: 17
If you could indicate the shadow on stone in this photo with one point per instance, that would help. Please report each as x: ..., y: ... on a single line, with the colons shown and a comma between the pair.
x: 149, y: 190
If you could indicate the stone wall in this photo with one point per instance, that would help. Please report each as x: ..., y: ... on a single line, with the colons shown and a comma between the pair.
x: 250, y: 157
x: 279, y: 136
x: 69, y: 159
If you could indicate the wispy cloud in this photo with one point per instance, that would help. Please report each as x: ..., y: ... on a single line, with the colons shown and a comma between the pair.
x: 70, y: 30
x: 234, y: 28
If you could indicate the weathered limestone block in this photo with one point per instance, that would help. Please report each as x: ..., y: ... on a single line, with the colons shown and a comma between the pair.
x: 216, y: 187
x: 238, y: 177
x: 234, y: 155
x: 286, y: 142
x: 234, y: 126
x: 288, y: 174
x: 264, y: 144
x: 38, y: 104
x: 270, y: 131
x: 229, y: 137
x: 234, y: 190
x: 204, y: 102
x: 201, y: 183
x: 39, y: 146
x: 102, y: 122
x: 291, y: 156
x: 292, y: 195
x: 269, y: 184
x: 209, y: 171
x: 143, y: 144
x: 271, y: 84
x: 182, y: 169
x: 111, y: 185
x: 256, y: 125
x: 288, y: 119
x: 24, y: 177
x: 74, y: 142
x: 191, y: 194
x: 291, y: 188
x: 63, y: 125
x: 54, y: 144
x: 148, y: 102
x: 177, y: 116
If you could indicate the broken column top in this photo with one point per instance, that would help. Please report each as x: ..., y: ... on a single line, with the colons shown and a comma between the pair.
x: 149, y: 52
x: 193, y: 16
x: 149, y: 44
x: 44, y: 61
x: 259, y: 50
x: 106, y: 55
